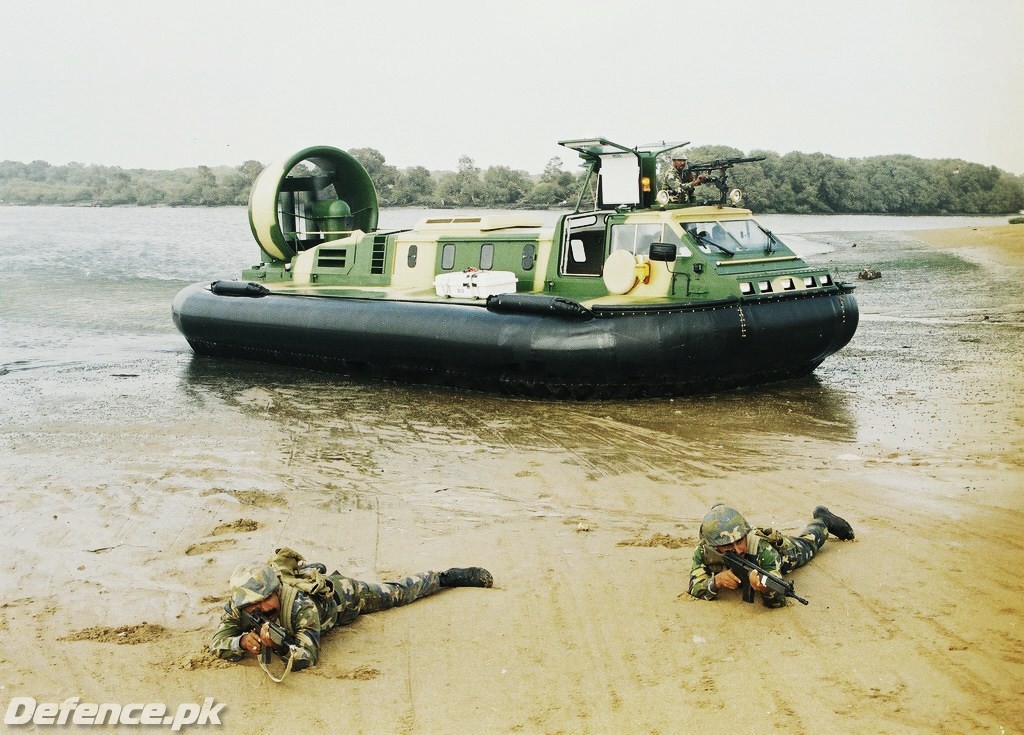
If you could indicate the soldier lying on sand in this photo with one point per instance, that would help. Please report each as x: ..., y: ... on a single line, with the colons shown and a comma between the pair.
x: 306, y: 602
x: 725, y: 531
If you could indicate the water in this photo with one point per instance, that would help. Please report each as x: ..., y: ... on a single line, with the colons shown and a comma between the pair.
x: 86, y: 331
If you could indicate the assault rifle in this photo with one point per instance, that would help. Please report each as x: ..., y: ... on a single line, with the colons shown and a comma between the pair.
x: 720, y: 181
x: 282, y: 642
x: 742, y: 567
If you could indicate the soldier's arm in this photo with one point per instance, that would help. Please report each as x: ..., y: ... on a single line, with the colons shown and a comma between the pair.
x: 770, y: 561
x: 701, y: 577
x: 225, y: 640
x: 306, y: 624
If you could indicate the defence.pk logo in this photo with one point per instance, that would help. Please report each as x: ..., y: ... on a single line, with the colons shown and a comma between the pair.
x: 72, y: 711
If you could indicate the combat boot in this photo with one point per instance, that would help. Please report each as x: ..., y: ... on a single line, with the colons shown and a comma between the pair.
x: 837, y: 526
x: 468, y: 577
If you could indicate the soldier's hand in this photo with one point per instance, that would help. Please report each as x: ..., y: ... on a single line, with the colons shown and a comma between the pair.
x: 725, y: 579
x: 755, y: 582
x: 251, y: 642
x: 265, y: 638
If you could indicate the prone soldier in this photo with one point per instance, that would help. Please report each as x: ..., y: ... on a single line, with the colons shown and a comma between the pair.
x: 725, y: 531
x: 305, y: 602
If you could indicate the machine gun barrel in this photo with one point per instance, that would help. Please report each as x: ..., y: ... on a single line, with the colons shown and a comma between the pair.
x: 722, y: 163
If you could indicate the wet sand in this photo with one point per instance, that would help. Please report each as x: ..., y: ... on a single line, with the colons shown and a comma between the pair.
x: 1004, y: 244
x: 127, y: 504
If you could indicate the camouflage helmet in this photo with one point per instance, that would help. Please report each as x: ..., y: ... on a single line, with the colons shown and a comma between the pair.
x: 252, y: 582
x: 679, y: 154
x: 723, y: 525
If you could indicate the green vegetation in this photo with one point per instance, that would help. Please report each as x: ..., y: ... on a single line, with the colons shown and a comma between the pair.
x: 77, y: 184
x: 798, y: 183
x: 1017, y: 220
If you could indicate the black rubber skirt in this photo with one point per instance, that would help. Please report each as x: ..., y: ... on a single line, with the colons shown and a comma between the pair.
x: 529, y: 345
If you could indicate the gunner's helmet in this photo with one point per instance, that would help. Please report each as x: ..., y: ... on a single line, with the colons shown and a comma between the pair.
x: 252, y: 582
x: 723, y: 525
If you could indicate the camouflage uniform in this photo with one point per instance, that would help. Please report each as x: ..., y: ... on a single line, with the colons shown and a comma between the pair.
x: 311, y: 616
x: 769, y: 549
x: 679, y: 183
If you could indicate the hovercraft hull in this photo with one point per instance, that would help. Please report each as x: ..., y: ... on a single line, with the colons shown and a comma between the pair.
x: 522, y: 346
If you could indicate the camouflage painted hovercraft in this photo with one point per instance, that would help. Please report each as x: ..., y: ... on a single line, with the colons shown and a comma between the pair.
x: 627, y: 295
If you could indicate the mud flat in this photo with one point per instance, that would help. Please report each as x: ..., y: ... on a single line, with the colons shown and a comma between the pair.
x: 127, y: 499
x: 1004, y: 244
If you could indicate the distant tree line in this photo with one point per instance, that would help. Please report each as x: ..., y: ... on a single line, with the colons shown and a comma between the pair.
x: 106, y: 186
x: 797, y: 183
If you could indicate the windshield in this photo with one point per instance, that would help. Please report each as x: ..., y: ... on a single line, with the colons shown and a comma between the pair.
x: 736, y: 235
x: 637, y: 239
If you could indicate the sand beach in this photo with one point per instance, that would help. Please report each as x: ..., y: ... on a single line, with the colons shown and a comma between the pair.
x: 128, y: 498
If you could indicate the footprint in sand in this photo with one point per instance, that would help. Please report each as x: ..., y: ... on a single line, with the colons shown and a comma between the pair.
x: 204, y: 547
x: 242, y: 525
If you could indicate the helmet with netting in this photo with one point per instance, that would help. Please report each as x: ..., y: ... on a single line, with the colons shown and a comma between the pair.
x: 723, y: 525
x: 252, y: 582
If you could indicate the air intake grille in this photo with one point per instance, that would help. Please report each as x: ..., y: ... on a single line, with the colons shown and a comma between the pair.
x: 332, y: 258
x: 379, y: 253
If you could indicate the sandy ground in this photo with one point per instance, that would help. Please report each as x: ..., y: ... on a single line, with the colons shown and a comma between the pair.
x: 119, y: 527
x: 1004, y: 245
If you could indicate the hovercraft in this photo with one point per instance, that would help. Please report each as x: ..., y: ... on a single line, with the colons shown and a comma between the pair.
x: 629, y: 294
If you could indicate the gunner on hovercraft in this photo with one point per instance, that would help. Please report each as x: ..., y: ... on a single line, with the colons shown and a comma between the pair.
x: 634, y: 292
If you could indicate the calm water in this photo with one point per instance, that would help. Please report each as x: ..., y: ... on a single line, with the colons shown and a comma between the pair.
x: 85, y: 315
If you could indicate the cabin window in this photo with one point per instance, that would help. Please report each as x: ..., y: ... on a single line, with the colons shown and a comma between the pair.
x: 486, y: 256
x: 735, y: 235
x: 578, y: 250
x: 748, y: 234
x: 583, y: 247
x: 448, y: 256
x: 410, y: 258
x: 585, y: 254
x: 637, y: 239
x: 529, y: 256
x: 712, y: 236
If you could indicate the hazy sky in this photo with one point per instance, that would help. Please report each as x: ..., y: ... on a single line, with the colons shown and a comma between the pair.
x: 136, y: 83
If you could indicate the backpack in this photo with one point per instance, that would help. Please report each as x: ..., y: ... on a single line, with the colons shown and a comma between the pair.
x: 308, y: 577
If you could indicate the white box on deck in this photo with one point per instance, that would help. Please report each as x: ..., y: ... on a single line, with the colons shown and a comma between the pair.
x: 474, y: 284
